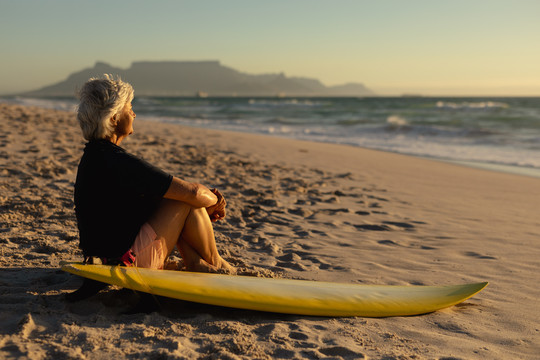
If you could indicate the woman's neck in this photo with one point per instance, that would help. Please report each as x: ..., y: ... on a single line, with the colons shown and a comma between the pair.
x: 115, y: 139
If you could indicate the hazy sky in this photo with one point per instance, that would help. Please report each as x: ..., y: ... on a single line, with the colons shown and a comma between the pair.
x: 454, y: 47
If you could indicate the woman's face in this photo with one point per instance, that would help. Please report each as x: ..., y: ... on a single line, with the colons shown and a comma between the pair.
x: 125, y: 123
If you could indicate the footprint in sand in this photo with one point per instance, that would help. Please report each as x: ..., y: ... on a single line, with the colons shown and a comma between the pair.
x: 341, y: 352
x: 334, y: 211
x: 402, y: 225
x: 302, y: 234
x: 373, y: 227
x: 268, y: 245
x: 377, y: 198
x: 388, y: 242
x: 453, y: 327
x: 300, y: 212
x: 479, y: 256
x: 298, y: 336
x: 305, y: 341
x: 290, y: 257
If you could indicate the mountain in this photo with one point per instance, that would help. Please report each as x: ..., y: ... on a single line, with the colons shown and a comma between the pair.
x: 187, y: 78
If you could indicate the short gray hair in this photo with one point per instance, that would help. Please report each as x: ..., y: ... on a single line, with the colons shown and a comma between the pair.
x: 100, y: 99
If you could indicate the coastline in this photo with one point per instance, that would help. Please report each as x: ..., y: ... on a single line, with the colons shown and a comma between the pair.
x: 495, y: 167
x: 297, y: 209
x: 508, y: 169
x: 514, y: 156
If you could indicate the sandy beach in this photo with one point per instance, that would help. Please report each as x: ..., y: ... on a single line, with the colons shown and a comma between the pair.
x: 295, y: 210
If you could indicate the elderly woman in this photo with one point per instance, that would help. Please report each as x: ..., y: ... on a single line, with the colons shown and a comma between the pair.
x: 129, y: 211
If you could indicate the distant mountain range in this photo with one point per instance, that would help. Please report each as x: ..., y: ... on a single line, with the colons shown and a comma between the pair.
x: 203, y: 78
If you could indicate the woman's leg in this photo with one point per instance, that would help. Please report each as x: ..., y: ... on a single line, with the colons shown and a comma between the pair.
x: 191, y: 230
x: 192, y: 260
x: 198, y: 236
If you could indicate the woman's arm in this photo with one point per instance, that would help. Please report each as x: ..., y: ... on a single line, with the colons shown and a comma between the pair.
x: 194, y: 194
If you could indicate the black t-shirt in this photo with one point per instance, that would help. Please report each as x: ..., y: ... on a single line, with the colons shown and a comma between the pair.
x: 115, y: 194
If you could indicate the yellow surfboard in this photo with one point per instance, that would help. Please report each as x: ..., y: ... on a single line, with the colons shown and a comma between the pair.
x: 300, y: 297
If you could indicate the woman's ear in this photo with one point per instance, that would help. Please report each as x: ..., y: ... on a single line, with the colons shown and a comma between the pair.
x: 114, y: 120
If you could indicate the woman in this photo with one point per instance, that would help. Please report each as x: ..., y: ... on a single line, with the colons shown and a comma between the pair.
x: 128, y: 211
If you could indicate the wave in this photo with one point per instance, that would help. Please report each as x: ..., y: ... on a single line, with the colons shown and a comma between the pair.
x: 353, y: 121
x: 482, y: 105
x: 287, y: 102
x: 397, y: 120
x: 504, y: 130
x: 65, y: 104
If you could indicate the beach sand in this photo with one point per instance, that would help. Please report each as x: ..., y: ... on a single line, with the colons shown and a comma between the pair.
x: 296, y: 210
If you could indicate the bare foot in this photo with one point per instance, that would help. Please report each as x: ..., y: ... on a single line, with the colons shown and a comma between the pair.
x: 202, y: 266
x: 226, y: 267
x: 220, y: 266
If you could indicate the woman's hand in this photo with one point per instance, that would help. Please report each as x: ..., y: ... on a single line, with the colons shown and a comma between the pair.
x: 217, y: 211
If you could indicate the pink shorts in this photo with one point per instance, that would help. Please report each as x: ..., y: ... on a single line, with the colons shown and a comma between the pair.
x: 149, y: 251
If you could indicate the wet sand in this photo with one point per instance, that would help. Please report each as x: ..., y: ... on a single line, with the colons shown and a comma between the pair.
x: 295, y: 210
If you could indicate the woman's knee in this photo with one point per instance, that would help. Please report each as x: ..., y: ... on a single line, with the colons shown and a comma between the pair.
x: 169, y: 218
x: 171, y: 209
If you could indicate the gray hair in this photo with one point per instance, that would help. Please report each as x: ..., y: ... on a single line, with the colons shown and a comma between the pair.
x: 100, y: 100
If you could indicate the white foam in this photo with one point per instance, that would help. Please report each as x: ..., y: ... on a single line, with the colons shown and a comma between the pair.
x: 57, y: 104
x: 482, y: 105
x: 287, y: 102
x: 396, y: 120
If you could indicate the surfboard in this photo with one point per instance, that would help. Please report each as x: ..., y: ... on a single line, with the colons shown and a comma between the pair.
x: 301, y: 297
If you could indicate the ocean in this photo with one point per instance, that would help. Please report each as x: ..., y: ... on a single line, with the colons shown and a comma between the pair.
x: 498, y: 133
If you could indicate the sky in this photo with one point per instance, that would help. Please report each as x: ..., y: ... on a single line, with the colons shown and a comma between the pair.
x: 394, y: 47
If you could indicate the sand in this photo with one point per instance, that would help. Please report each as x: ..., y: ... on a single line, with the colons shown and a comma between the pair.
x: 296, y: 210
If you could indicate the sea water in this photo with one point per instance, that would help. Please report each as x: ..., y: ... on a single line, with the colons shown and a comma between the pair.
x: 501, y: 133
